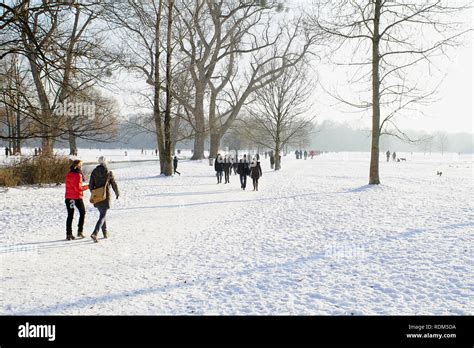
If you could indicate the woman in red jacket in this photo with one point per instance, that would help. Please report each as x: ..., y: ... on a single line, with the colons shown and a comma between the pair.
x: 74, y: 195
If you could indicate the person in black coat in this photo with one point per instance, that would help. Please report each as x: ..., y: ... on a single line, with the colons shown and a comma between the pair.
x: 243, y: 170
x: 227, y: 167
x: 219, y: 168
x: 235, y: 166
x: 175, y: 165
x: 101, y: 177
x: 255, y: 174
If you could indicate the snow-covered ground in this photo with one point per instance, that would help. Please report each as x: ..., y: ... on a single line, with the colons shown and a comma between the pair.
x: 314, y: 240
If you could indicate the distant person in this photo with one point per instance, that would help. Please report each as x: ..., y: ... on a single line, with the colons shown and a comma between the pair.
x: 74, y: 197
x: 255, y: 173
x: 36, y: 151
x: 388, y: 155
x: 40, y: 151
x: 175, y: 165
x: 311, y: 153
x: 227, y: 165
x: 266, y: 154
x: 156, y: 152
x: 235, y: 166
x: 126, y: 153
x: 7, y: 151
x: 272, y: 160
x: 243, y: 170
x: 305, y: 154
x: 394, y: 156
x: 258, y: 157
x: 101, y: 177
x: 219, y: 168
x: 143, y: 151
x: 297, y: 154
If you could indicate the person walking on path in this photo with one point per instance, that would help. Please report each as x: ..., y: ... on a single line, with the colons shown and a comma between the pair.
x: 243, y: 171
x: 255, y: 173
x: 218, y: 167
x: 305, y: 154
x: 388, y: 155
x: 394, y: 156
x: 235, y: 166
x: 175, y: 165
x: 102, y: 177
x: 227, y: 165
x: 272, y: 160
x: 7, y: 151
x: 74, y: 196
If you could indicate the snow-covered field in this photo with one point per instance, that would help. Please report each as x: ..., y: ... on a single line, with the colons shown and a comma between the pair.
x: 314, y: 240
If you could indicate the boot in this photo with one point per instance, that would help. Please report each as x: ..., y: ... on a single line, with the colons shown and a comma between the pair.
x: 80, y: 235
x: 70, y: 237
x: 106, y: 234
x: 94, y: 237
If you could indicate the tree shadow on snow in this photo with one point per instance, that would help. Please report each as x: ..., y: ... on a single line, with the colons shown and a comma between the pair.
x: 364, y: 188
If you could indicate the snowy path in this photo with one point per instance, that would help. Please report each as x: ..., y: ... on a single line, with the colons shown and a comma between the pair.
x: 313, y: 240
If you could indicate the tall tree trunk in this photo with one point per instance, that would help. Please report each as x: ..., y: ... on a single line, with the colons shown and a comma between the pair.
x: 213, y: 128
x: 277, y: 148
x: 215, y: 143
x: 168, y: 168
x: 156, y: 98
x: 374, y: 153
x: 47, y: 143
x: 175, y: 131
x: 18, y: 130
x: 72, y: 143
x: 200, y: 124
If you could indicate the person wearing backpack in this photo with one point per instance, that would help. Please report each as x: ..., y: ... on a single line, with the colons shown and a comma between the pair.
x: 101, y: 180
x: 74, y: 195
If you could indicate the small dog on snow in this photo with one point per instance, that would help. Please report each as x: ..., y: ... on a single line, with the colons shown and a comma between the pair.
x: 439, y: 173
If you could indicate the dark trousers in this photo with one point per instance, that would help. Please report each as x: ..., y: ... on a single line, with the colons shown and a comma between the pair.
x: 175, y: 171
x: 255, y: 183
x: 243, y: 181
x: 226, y: 175
x: 219, y: 176
x: 101, y: 223
x: 79, y: 203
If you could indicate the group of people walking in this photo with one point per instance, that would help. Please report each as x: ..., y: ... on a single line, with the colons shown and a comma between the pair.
x: 224, y: 165
x: 394, y: 155
x: 101, y: 180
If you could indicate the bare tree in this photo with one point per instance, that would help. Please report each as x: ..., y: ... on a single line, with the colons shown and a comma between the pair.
x: 442, y: 141
x: 391, y: 40
x: 64, y: 59
x: 278, y: 115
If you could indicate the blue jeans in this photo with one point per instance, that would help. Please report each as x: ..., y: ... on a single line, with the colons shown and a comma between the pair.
x: 101, y: 223
x: 243, y: 181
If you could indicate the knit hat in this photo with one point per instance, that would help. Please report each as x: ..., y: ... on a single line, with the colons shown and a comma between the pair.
x: 102, y: 160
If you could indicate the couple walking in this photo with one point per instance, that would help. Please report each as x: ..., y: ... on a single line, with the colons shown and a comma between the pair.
x: 101, y: 177
x: 254, y: 170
